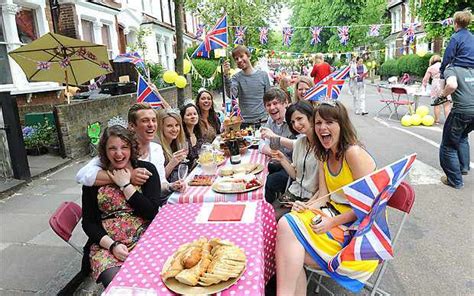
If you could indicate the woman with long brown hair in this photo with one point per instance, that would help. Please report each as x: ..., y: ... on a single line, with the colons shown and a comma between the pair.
x: 309, y: 235
x: 209, y: 121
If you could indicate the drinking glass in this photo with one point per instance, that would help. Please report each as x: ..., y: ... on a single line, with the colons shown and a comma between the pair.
x: 185, y: 146
x: 182, y: 171
x: 275, y: 143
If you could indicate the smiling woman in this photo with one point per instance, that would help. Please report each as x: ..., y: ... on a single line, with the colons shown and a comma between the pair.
x: 192, y: 130
x: 120, y: 203
x: 172, y: 138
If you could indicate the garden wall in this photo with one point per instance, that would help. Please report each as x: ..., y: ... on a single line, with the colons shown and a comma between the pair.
x: 74, y: 118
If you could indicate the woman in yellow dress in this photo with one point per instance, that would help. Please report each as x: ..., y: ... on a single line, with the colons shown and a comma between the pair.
x: 301, y: 239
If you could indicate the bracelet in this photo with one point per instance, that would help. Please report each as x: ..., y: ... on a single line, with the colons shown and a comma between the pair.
x: 122, y: 188
x: 113, y: 245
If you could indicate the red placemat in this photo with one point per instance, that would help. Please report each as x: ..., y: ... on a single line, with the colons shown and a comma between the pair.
x: 226, y: 213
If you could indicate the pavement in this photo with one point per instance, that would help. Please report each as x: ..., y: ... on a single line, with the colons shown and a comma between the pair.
x: 433, y: 255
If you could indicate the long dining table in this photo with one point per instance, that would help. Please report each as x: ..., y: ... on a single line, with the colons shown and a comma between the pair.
x: 182, y: 223
x: 199, y: 194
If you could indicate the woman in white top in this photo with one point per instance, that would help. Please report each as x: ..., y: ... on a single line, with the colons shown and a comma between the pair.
x: 303, y: 168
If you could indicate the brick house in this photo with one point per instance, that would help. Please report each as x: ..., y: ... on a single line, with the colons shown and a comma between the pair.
x: 396, y: 42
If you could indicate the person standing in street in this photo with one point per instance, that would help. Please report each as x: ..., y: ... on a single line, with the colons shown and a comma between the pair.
x: 249, y: 86
x: 454, y: 150
x: 358, y: 73
x: 321, y: 69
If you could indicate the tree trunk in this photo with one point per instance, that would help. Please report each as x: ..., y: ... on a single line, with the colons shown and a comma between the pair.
x: 178, y: 15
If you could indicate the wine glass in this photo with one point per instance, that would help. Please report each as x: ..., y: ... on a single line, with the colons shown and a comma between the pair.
x: 182, y: 171
x: 185, y: 146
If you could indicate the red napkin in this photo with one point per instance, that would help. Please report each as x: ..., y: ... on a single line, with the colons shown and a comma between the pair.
x: 227, y: 213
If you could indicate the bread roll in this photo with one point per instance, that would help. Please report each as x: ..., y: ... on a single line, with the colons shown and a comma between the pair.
x: 191, y: 257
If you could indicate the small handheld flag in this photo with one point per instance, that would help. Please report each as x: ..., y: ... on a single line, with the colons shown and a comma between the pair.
x: 216, y: 38
x: 145, y: 94
x: 329, y: 87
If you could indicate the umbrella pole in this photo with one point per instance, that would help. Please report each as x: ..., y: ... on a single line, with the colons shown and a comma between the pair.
x: 67, y: 88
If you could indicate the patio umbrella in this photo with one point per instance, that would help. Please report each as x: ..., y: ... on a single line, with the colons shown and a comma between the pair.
x: 58, y: 58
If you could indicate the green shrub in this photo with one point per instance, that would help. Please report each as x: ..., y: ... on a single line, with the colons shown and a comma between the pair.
x: 156, y: 73
x: 389, y: 68
x: 206, y: 67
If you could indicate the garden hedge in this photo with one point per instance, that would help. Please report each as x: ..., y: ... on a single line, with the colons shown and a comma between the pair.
x: 411, y: 64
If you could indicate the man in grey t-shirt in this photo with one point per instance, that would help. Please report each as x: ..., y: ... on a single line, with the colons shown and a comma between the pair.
x: 454, y: 150
x: 250, y: 85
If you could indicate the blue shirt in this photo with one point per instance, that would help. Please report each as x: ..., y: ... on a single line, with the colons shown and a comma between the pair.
x: 460, y: 51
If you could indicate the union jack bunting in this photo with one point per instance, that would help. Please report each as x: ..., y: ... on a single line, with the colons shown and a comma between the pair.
x: 287, y: 35
x: 216, y: 38
x: 263, y: 35
x: 199, y: 30
x: 43, y: 65
x: 235, y: 110
x: 410, y: 30
x: 145, y: 94
x: 374, y: 30
x: 343, y: 33
x: 131, y: 57
x: 240, y: 35
x: 97, y: 83
x: 447, y: 22
x: 330, y: 87
x: 368, y: 198
x: 64, y: 63
x: 315, y: 31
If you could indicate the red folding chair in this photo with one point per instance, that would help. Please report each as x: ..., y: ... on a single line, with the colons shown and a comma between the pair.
x: 402, y: 200
x: 388, y: 103
x: 64, y: 220
x: 397, y: 95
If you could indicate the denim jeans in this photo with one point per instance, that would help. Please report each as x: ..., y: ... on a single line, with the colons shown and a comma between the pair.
x: 454, y: 150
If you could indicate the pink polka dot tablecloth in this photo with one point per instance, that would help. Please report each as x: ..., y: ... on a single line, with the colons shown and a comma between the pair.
x: 198, y: 194
x: 175, y: 225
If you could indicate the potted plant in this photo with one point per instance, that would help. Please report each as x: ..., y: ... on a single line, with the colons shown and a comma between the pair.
x: 32, y: 141
x: 39, y: 137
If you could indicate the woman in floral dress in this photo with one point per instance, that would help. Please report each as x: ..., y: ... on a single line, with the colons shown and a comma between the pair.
x: 116, y: 215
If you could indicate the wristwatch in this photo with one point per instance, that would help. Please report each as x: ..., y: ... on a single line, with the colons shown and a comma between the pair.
x: 122, y: 188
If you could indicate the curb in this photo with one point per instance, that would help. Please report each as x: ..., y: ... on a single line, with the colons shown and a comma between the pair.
x: 12, y: 190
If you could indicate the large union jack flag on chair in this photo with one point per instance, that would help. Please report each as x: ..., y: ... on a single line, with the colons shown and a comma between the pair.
x: 215, y: 38
x: 368, y: 198
x: 145, y: 94
x: 328, y: 88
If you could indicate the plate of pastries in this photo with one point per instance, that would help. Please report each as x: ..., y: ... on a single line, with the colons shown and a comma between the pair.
x: 243, y: 168
x: 204, y: 267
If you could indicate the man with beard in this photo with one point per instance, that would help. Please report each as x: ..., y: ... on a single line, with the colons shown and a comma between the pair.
x: 249, y: 86
x: 275, y: 134
x: 142, y: 120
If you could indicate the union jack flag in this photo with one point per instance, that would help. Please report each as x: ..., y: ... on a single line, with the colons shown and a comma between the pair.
x: 199, y: 30
x: 145, y: 94
x: 240, y: 35
x: 263, y: 35
x: 43, y: 65
x: 131, y: 57
x: 315, y: 31
x: 287, y: 34
x: 343, y: 33
x: 410, y: 30
x: 216, y: 38
x: 447, y: 22
x: 374, y: 30
x: 329, y: 87
x: 368, y: 198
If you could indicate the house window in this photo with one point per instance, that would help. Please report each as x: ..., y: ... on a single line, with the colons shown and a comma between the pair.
x: 26, y: 25
x: 106, y: 39
x: 158, y: 49
x: 87, y: 31
x: 6, y: 78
